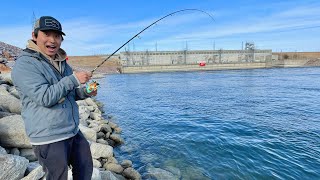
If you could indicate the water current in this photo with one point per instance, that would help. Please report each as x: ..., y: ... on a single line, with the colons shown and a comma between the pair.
x: 232, y: 124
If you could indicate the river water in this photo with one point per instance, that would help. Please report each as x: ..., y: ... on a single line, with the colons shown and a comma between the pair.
x: 233, y: 124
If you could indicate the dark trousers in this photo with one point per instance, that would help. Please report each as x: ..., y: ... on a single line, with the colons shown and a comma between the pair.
x: 56, y: 157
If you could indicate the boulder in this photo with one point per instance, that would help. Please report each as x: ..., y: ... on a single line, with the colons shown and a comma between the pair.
x: 88, y: 133
x: 96, y: 174
x: 96, y: 163
x: 12, y: 167
x: 160, y: 174
x: 117, y: 138
x: 10, y: 103
x: 36, y: 174
x: 32, y: 166
x: 90, y: 102
x: 131, y: 174
x: 108, y: 175
x: 101, y: 150
x: 2, y: 150
x: 126, y: 163
x: 12, y: 132
x: 29, y: 154
x: 114, y: 167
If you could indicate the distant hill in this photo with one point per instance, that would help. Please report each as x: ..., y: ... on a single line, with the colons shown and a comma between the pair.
x: 9, y: 51
x: 90, y: 62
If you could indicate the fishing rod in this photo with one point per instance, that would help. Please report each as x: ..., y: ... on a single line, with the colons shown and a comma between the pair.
x: 146, y: 29
x: 93, y: 86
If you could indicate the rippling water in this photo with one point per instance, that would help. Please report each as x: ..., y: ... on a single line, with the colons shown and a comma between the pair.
x: 238, y: 124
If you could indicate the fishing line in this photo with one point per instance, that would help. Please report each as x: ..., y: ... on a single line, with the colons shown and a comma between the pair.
x: 92, y: 86
x: 137, y: 35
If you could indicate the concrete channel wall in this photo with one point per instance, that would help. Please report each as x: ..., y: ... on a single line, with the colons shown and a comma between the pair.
x: 172, y: 68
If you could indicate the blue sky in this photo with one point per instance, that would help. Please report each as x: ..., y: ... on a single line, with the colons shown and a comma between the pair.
x: 100, y: 27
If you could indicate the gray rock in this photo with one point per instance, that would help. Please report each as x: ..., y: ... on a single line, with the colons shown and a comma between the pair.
x: 105, y: 128
x: 114, y: 167
x: 10, y: 103
x: 118, y: 130
x: 117, y: 138
x: 161, y: 174
x: 100, y: 135
x: 90, y: 108
x: 4, y: 114
x: 90, y: 102
x: 36, y: 174
x: 13, y: 91
x: 174, y: 170
x: 95, y: 116
x: 29, y: 154
x: 82, y: 103
x: 112, y: 160
x: 96, y: 174
x: 12, y: 167
x: 83, y: 112
x: 108, y: 175
x: 32, y: 166
x: 112, y: 125
x: 96, y: 163
x: 102, y: 141
x: 101, y: 150
x: 4, y: 90
x: 6, y: 77
x: 126, y: 163
x: 88, y: 133
x: 131, y: 174
x: 2, y: 150
x: 12, y: 132
x: 15, y: 151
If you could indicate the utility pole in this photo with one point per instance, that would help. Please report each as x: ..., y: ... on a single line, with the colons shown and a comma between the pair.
x: 186, y: 45
x: 156, y: 46
x: 33, y: 20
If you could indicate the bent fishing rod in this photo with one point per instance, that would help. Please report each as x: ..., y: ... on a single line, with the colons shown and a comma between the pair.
x: 146, y: 29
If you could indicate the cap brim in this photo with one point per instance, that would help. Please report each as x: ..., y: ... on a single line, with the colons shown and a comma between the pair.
x: 50, y: 29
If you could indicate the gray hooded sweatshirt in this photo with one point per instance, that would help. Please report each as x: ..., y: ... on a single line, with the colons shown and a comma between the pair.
x: 48, y: 91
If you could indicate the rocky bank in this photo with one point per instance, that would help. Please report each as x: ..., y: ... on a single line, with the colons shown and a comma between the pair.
x: 17, y: 159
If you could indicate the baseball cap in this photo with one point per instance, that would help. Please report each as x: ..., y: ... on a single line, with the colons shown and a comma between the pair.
x: 47, y: 23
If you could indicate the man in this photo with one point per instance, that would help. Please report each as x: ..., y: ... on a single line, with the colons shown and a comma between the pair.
x: 48, y: 90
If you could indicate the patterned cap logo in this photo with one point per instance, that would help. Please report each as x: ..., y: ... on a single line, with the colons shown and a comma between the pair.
x: 52, y: 23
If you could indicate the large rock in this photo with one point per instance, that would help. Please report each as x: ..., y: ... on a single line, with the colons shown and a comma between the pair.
x: 108, y: 175
x: 2, y: 150
x: 161, y: 174
x: 131, y: 174
x: 29, y: 154
x: 90, y: 102
x: 96, y: 174
x: 101, y: 150
x: 88, y: 133
x: 32, y: 166
x: 12, y: 132
x: 4, y: 114
x: 117, y: 138
x: 4, y: 90
x: 12, y: 167
x: 84, y: 112
x: 114, y: 167
x: 10, y: 103
x: 36, y: 174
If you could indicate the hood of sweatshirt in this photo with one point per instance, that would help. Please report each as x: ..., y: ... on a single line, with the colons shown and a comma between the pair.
x: 60, y: 56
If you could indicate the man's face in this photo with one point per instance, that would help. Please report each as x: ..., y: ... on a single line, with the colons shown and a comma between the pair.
x: 49, y: 42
